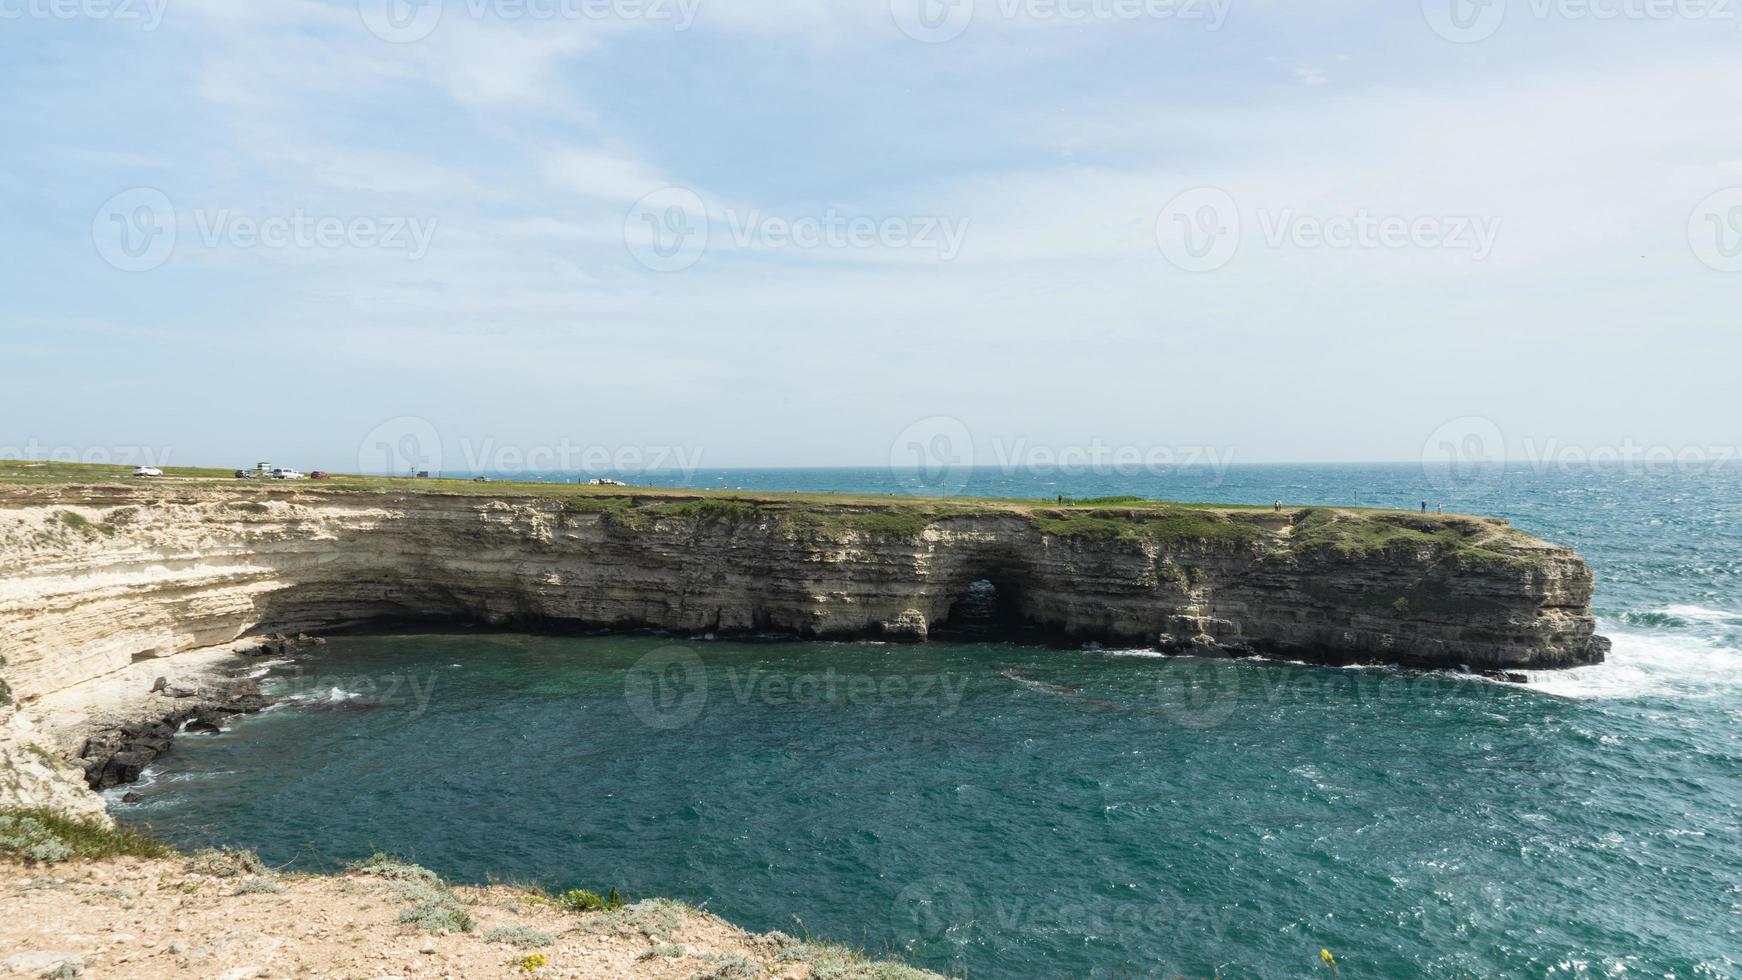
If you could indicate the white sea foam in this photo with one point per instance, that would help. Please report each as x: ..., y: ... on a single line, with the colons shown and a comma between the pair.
x: 1651, y: 663
x: 147, y: 777
x: 332, y: 696
x: 1700, y: 614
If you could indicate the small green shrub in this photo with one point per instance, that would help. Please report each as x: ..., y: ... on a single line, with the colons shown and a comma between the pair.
x: 417, y: 892
x: 258, y: 886
x: 831, y: 962
x: 436, y: 917
x: 662, y: 950
x: 379, y: 865
x: 730, y: 968
x: 520, y: 937
x: 45, y: 837
x: 226, y: 863
x: 581, y: 900
x: 77, y: 522
x: 655, y: 918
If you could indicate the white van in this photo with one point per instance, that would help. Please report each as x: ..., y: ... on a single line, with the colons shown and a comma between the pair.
x: 280, y: 473
x: 147, y: 471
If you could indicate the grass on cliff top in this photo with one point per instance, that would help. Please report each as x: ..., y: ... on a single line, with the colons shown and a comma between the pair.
x: 835, y: 516
x: 1371, y: 533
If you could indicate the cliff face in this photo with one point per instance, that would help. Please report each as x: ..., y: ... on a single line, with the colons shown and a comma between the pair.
x: 95, y: 577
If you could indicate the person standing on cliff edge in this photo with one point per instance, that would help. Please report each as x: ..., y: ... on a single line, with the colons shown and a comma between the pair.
x: 1424, y: 507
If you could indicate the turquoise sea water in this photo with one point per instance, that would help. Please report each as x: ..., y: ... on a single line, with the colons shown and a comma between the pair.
x: 1006, y: 811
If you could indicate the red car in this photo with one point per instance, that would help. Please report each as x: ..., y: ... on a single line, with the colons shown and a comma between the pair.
x: 320, y: 475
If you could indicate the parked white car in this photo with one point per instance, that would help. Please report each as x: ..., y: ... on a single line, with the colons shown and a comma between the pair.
x: 280, y: 473
x: 147, y: 471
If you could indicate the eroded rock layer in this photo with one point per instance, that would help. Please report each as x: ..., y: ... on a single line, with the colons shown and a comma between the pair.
x: 95, y: 577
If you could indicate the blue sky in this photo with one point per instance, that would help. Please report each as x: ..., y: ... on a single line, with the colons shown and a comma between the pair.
x: 1558, y: 174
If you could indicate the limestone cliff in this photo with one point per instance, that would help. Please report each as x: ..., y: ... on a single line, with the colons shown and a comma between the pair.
x: 95, y: 577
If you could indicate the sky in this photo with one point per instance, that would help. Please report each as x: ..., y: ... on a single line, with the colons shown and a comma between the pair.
x: 367, y: 235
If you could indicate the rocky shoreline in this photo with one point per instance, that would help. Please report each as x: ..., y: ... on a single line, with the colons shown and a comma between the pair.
x: 115, y: 756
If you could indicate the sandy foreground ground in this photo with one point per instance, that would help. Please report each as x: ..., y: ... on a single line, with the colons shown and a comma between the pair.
x: 138, y: 918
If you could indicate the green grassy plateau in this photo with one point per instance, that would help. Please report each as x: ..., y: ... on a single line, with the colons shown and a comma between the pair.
x: 1297, y: 530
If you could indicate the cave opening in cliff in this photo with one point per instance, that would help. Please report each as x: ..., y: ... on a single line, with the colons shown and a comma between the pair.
x: 987, y: 607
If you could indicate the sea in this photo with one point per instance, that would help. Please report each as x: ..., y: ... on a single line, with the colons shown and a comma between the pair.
x: 997, y: 810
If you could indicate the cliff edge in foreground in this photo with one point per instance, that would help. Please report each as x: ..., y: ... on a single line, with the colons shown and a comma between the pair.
x: 145, y: 913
